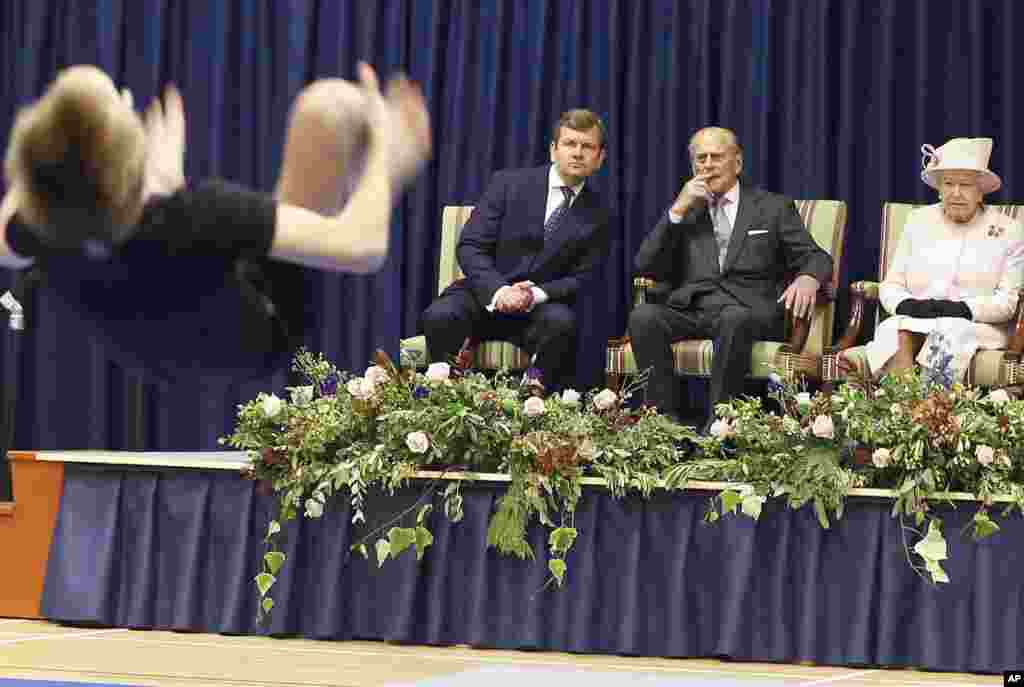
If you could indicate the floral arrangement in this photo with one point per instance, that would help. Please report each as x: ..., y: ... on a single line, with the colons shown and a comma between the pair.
x: 346, y: 434
x: 342, y: 434
x: 909, y: 433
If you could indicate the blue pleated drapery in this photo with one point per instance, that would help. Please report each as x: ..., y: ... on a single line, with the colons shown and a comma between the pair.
x: 179, y: 549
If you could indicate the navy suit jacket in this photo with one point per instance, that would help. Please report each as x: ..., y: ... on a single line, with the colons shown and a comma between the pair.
x: 503, y: 242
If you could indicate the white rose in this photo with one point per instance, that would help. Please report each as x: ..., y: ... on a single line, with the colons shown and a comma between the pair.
x: 438, y: 372
x: 881, y: 457
x: 418, y: 442
x: 998, y: 396
x: 301, y: 395
x: 985, y: 454
x: 605, y: 400
x: 272, y: 405
x: 376, y: 375
x: 823, y: 427
x: 721, y: 428
x: 314, y: 509
x: 360, y: 389
x: 533, y: 406
x: 571, y: 397
x: 790, y: 425
x: 803, y: 399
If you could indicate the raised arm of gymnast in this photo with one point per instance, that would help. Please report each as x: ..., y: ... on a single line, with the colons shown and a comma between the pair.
x: 332, y: 213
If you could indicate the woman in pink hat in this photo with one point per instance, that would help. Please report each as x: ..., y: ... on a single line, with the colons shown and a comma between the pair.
x: 953, y: 284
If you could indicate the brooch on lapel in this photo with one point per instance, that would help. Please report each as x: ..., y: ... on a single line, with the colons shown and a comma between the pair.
x: 994, y: 231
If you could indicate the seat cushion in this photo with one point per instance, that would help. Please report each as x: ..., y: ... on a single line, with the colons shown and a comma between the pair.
x: 987, y: 368
x: 693, y: 358
x: 490, y: 355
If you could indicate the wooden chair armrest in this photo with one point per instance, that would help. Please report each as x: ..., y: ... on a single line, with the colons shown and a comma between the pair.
x: 861, y: 293
x: 1016, y: 344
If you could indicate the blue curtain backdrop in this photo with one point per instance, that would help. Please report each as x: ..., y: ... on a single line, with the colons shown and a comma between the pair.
x: 832, y: 99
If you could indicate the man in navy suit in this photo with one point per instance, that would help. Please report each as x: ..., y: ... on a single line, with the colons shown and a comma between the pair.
x: 727, y: 251
x: 532, y: 242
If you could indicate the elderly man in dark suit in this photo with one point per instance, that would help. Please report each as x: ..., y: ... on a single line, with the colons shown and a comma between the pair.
x: 533, y: 240
x: 726, y: 251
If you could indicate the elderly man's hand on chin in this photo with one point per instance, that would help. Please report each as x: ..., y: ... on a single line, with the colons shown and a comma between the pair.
x: 801, y: 295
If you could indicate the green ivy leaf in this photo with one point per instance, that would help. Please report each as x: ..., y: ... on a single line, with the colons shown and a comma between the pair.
x: 267, y: 604
x: 424, y: 512
x: 424, y: 539
x: 932, y: 548
x: 400, y: 538
x: 983, y: 526
x: 453, y: 507
x: 819, y: 510
x: 730, y: 499
x: 383, y: 550
x: 751, y: 505
x: 274, y: 561
x: 273, y: 528
x: 562, y: 539
x: 264, y: 581
x: 557, y: 568
x: 360, y: 549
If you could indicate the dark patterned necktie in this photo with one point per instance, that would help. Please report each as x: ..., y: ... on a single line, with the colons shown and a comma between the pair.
x: 557, y: 217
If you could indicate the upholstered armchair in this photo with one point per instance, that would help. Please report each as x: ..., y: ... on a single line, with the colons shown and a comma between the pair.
x: 488, y: 355
x: 991, y: 368
x: 807, y: 339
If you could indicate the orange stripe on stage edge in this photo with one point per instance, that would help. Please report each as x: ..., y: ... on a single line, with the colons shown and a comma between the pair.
x: 26, y: 526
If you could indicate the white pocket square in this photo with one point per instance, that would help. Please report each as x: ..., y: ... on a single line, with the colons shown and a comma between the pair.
x: 755, y: 232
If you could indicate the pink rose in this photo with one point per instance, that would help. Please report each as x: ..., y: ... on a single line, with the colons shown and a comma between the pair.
x: 605, y: 400
x: 418, y: 442
x: 881, y: 457
x: 376, y: 375
x: 985, y: 454
x: 823, y: 427
x: 533, y: 406
x: 438, y: 372
x: 998, y: 396
x: 721, y: 428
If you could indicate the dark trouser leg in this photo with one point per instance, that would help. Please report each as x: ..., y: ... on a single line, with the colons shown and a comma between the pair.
x: 736, y: 330
x: 448, y: 321
x: 652, y: 329
x: 550, y: 333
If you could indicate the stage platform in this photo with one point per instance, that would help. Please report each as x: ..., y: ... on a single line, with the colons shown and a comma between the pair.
x: 173, y: 540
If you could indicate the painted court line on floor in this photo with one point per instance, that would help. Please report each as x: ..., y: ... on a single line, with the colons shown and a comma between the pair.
x: 66, y: 635
x: 838, y: 678
x: 568, y: 662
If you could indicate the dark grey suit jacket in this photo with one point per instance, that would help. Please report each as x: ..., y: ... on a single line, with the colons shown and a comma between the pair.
x: 768, y: 247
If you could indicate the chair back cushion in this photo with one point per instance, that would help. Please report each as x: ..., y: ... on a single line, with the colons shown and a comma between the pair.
x: 826, y: 222
x: 453, y: 218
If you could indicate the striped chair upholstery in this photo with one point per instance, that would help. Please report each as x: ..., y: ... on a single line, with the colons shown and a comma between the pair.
x: 826, y: 221
x: 490, y: 355
x: 988, y: 368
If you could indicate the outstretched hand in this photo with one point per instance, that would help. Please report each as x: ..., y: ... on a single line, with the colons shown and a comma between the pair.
x: 400, y: 121
x: 164, y: 122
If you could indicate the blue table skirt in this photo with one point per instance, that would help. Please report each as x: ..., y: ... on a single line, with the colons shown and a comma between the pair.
x: 179, y: 549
